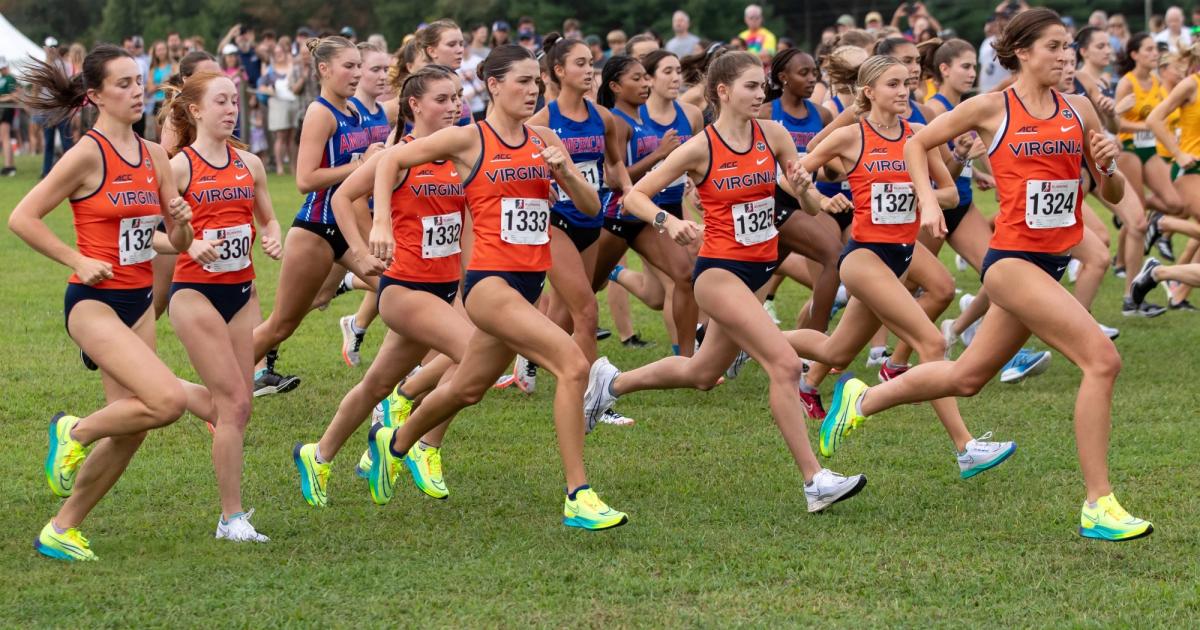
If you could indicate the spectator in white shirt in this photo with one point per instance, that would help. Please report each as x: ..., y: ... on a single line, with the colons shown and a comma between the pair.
x: 684, y: 43
x: 1174, y: 35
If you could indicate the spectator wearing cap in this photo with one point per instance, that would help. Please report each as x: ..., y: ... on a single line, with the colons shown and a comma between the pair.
x: 919, y: 19
x: 349, y: 33
x: 873, y: 22
x: 63, y: 129
x: 528, y: 41
x: 500, y: 32
x: 8, y: 114
x: 597, y: 49
x: 683, y: 43
x: 616, y: 43
x: 1174, y: 35
x: 527, y: 27
x: 759, y: 40
x: 845, y: 22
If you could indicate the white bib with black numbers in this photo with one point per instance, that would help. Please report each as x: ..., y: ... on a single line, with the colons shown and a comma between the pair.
x: 135, y: 240
x: 1144, y: 140
x: 524, y: 221
x: 893, y: 204
x: 440, y: 235
x: 1050, y: 203
x: 591, y: 174
x: 233, y: 249
x: 754, y: 222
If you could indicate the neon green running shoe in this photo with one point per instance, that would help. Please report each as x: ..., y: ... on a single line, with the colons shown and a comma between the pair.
x: 65, y: 455
x: 425, y: 465
x: 587, y: 511
x: 314, y: 476
x: 395, y: 409
x: 1109, y: 521
x: 363, y: 468
x: 69, y: 545
x: 843, y: 416
x: 385, y: 466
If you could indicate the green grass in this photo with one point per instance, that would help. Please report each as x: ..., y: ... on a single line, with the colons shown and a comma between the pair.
x: 718, y: 533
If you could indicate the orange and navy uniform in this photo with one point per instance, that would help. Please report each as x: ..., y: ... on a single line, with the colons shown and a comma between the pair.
x: 738, y: 197
x: 508, y: 194
x: 885, y: 209
x: 116, y: 223
x: 222, y: 201
x: 427, y: 223
x: 1037, y: 165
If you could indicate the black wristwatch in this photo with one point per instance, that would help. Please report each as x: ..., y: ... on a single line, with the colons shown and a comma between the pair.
x: 660, y: 220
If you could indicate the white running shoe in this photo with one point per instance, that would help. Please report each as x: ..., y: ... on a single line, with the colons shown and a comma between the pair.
x: 960, y: 263
x: 1073, y: 270
x: 1109, y: 331
x: 735, y: 368
x: 841, y: 297
x: 769, y: 307
x: 948, y: 336
x: 239, y: 529
x: 525, y: 374
x: 616, y: 418
x: 877, y: 356
x: 981, y: 455
x: 828, y: 487
x: 351, y: 341
x: 598, y: 398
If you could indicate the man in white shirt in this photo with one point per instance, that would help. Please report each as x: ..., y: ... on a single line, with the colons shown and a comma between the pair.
x: 1174, y: 36
x: 991, y: 73
x: 684, y: 43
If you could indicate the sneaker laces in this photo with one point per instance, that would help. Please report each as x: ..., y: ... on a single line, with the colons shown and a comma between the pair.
x: 358, y: 339
x: 434, y: 458
x: 322, y: 473
x: 74, y: 536
x: 530, y: 369
x: 74, y: 457
x: 1114, y: 509
x: 591, y: 501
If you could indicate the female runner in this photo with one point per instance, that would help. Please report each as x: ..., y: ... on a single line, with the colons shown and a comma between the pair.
x: 648, y: 143
x: 734, y: 163
x: 332, y: 145
x: 119, y: 187
x: 506, y: 167
x: 210, y: 295
x: 422, y: 210
x: 1037, y: 177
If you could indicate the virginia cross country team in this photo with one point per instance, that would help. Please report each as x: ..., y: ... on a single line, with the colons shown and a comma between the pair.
x: 476, y: 188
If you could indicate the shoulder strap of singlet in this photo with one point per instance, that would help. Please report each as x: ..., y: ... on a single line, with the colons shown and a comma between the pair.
x: 482, y: 150
x: 1004, y: 124
x: 941, y: 98
x: 681, y: 115
x: 553, y: 107
x: 712, y: 146
x: 776, y: 109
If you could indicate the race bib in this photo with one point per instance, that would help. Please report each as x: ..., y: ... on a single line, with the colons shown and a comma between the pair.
x: 524, y: 221
x: 591, y: 174
x: 967, y: 171
x: 893, y: 204
x: 1050, y: 203
x: 234, y: 249
x: 441, y: 234
x: 754, y: 222
x: 135, y: 241
x: 1144, y: 140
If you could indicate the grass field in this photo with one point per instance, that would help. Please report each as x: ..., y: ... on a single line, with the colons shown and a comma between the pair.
x: 718, y: 533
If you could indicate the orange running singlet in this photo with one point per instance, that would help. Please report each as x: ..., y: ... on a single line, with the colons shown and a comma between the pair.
x: 427, y: 223
x: 508, y: 193
x: 738, y: 196
x: 885, y: 205
x: 116, y: 223
x: 1037, y: 166
x: 222, y: 201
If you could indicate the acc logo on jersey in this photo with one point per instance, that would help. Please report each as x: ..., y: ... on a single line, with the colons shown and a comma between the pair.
x: 1066, y: 113
x: 207, y: 179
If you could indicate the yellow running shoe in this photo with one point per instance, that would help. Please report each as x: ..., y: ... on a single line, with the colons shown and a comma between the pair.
x: 69, y: 545
x: 363, y: 469
x: 1109, y: 521
x: 314, y: 476
x: 396, y: 408
x: 65, y: 455
x: 843, y: 416
x: 385, y: 466
x: 587, y: 511
x: 425, y: 465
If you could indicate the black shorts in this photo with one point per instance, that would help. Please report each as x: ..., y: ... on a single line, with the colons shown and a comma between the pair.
x: 785, y: 206
x: 582, y: 237
x: 8, y: 115
x: 673, y: 209
x: 897, y: 256
x: 753, y: 274
x: 1053, y: 264
x: 130, y: 304
x: 627, y: 230
x: 528, y: 283
x: 327, y: 231
x: 844, y: 219
x: 228, y: 299
x: 443, y: 290
x: 954, y: 217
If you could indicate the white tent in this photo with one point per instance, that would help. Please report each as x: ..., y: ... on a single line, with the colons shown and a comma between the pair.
x: 15, y: 47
